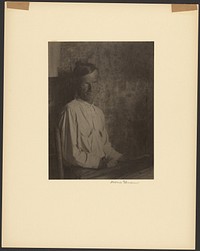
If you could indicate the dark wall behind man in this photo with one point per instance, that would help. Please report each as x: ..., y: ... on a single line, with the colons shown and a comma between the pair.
x: 126, y: 78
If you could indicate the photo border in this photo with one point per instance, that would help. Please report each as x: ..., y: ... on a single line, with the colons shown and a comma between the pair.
x: 2, y: 4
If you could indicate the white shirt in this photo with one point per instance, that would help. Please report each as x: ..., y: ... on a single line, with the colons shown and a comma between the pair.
x: 84, y: 139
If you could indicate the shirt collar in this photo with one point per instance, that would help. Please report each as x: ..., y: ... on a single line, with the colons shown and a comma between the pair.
x: 85, y: 102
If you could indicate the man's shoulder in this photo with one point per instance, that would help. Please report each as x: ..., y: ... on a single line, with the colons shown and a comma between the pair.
x: 72, y: 105
x: 69, y: 107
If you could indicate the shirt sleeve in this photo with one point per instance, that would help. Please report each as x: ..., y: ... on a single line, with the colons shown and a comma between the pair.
x: 109, y: 151
x: 70, y: 151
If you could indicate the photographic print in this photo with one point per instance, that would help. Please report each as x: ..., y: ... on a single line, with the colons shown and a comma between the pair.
x: 100, y: 121
x: 101, y: 110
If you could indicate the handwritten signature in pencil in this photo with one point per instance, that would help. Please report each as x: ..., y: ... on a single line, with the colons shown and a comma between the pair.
x: 123, y: 182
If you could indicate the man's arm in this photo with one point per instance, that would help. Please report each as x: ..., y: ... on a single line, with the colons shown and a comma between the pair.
x: 70, y: 150
x: 110, y: 152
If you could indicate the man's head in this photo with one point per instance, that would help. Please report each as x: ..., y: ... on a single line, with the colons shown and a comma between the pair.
x: 86, y: 76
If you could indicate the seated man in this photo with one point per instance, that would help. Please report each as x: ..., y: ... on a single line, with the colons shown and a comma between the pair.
x: 84, y: 139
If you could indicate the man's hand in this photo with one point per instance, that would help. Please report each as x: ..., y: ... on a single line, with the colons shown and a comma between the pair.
x: 123, y: 158
x: 102, y: 163
x: 112, y: 163
x: 117, y: 163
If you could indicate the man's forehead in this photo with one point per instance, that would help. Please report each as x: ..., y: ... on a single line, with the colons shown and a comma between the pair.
x: 91, y: 76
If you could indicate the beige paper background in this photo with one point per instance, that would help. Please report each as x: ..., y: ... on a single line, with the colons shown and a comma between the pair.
x: 158, y: 213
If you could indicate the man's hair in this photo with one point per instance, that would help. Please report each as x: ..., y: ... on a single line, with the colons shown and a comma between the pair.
x: 81, y: 69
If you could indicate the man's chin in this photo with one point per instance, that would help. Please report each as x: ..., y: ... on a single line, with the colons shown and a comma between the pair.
x: 89, y: 98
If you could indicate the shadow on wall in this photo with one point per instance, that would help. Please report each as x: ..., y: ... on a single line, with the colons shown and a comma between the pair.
x: 126, y: 97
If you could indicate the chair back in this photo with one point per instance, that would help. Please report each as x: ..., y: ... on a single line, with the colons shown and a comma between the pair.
x: 59, y: 154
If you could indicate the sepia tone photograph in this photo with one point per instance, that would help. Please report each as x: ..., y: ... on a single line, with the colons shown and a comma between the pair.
x: 101, y: 110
